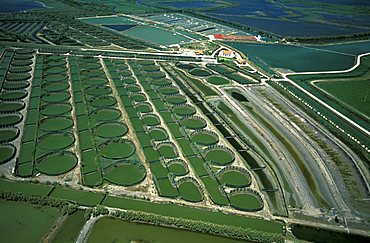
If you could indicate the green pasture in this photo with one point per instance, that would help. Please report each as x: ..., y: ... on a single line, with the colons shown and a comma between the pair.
x: 23, y: 222
x: 157, y: 35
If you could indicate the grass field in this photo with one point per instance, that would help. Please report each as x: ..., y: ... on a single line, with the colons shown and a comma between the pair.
x: 355, y: 93
x: 156, y: 35
x: 22, y: 222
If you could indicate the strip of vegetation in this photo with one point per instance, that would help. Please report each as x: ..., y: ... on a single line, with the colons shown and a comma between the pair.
x: 199, y: 226
x: 66, y: 207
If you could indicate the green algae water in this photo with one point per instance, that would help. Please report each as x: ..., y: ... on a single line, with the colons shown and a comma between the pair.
x: 109, y: 229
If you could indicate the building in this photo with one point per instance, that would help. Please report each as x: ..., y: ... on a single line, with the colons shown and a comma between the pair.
x: 226, y: 54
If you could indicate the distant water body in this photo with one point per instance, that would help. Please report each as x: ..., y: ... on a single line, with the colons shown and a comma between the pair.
x: 268, y: 17
x: 8, y: 6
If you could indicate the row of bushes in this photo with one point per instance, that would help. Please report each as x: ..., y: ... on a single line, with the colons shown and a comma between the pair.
x: 65, y: 206
x: 200, y: 226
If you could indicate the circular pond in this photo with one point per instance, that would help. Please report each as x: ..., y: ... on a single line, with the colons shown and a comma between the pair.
x: 11, y: 106
x: 105, y: 101
x: 184, y: 110
x: 98, y: 90
x: 235, y: 178
x: 217, y: 80
x: 15, y: 85
x: 162, y: 82
x: 144, y: 107
x: 55, y: 97
x: 129, y: 81
x: 94, y: 81
x: 13, y: 95
x: 205, y: 138
x: 193, y: 123
x: 178, y: 169
x: 151, y: 120
x: 176, y: 99
x: 103, y: 115
x: 15, y: 77
x: 55, y: 109
x: 111, y: 130
x: 170, y: 90
x: 55, y: 86
x: 200, y: 72
x: 55, y: 78
x: 117, y: 149
x: 245, y: 202
x: 7, y: 152
x: 10, y: 119
x: 167, y: 151
x: 185, y: 65
x: 125, y: 174
x: 190, y: 192
x: 56, y: 163
x: 219, y: 156
x: 156, y: 75
x: 138, y: 97
x: 158, y: 134
x: 8, y: 135
x: 55, y: 124
x: 133, y: 88
x: 55, y: 141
